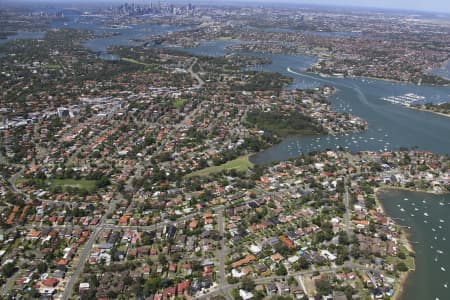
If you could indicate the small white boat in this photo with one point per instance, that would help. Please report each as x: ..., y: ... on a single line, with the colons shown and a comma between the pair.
x: 425, y: 214
x: 443, y: 269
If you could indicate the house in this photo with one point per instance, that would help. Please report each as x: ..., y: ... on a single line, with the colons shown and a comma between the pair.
x: 182, y: 287
x: 84, y: 286
x: 50, y: 282
x: 255, y: 249
x: 246, y: 260
x: 287, y: 242
x: 169, y: 292
x: 245, y: 295
x: 276, y: 257
x: 271, y: 289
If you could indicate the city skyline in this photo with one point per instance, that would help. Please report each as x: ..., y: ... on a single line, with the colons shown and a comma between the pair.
x: 415, y: 5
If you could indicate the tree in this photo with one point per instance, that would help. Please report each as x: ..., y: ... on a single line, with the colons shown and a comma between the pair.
x: 103, y: 182
x: 303, y: 262
x: 235, y: 294
x: 247, y: 284
x: 343, y: 238
x: 323, y: 286
x: 401, y: 267
x: 9, y: 269
x: 281, y: 271
x: 42, y: 267
x: 162, y: 259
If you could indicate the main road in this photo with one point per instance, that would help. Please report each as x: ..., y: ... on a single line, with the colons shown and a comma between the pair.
x: 86, y: 252
x: 200, y: 81
x: 347, y: 216
x: 264, y: 280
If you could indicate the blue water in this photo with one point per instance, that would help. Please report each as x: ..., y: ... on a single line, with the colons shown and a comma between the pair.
x: 123, y: 37
x: 428, y: 217
x: 23, y: 35
x: 391, y: 126
x: 337, y: 34
x: 444, y: 71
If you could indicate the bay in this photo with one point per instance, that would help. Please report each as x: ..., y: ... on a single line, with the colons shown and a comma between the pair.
x: 391, y: 126
x: 430, y: 240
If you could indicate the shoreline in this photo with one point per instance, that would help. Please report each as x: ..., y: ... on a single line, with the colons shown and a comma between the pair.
x: 429, y: 111
x: 403, y: 235
x: 407, y: 189
x: 404, y: 240
x: 324, y: 75
x: 401, y: 284
x: 396, y: 81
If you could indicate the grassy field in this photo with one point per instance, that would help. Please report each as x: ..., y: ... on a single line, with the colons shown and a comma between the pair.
x: 179, y: 103
x: 239, y: 164
x: 148, y: 67
x: 89, y: 185
x: 133, y: 61
x: 54, y: 67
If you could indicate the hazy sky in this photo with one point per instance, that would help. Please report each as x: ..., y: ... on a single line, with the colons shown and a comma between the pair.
x: 424, y: 5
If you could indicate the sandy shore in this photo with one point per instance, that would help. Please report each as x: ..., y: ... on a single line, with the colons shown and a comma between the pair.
x: 401, y: 283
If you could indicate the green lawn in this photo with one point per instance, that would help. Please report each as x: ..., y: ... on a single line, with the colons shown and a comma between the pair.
x: 85, y: 184
x: 148, y: 67
x: 239, y: 164
x: 54, y: 66
x: 133, y: 61
x: 89, y: 185
x: 179, y: 103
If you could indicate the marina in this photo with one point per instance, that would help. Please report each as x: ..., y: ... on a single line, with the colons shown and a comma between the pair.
x: 406, y: 99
